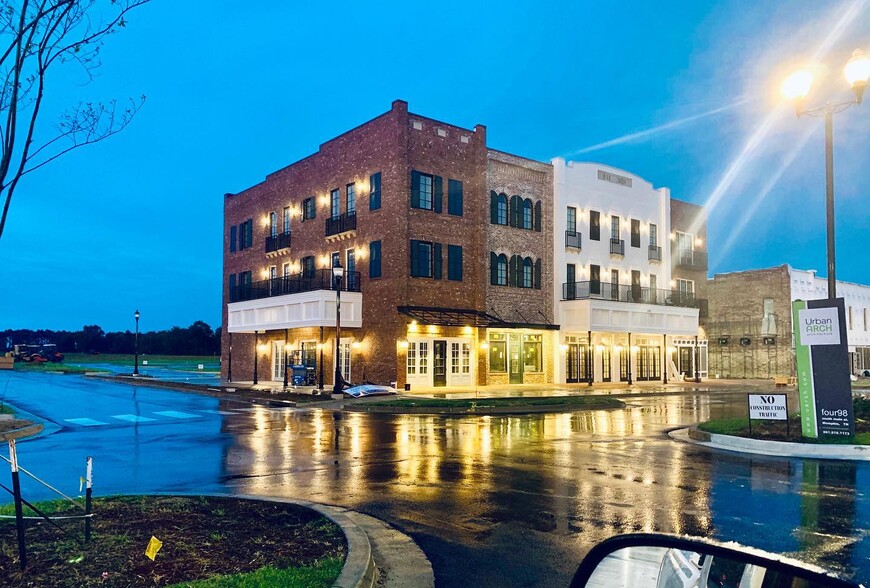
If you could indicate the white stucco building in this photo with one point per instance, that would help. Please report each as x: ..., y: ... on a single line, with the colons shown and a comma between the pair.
x: 622, y: 314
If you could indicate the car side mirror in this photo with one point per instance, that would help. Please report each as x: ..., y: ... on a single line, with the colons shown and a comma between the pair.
x: 644, y: 560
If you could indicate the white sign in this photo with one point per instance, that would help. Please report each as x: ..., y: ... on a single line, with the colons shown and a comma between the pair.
x: 768, y: 407
x: 819, y: 326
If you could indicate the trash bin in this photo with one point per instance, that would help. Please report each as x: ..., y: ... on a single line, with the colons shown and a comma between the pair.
x: 299, y: 375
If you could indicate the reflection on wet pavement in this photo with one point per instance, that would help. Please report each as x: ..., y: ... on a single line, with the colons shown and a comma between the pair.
x: 492, y: 500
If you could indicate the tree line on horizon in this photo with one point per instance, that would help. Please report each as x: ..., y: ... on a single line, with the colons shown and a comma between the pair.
x: 197, y: 339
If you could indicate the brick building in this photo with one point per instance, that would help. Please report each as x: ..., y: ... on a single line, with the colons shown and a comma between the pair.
x: 403, y: 204
x: 750, y: 323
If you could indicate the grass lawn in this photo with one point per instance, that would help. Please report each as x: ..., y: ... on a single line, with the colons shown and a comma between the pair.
x: 174, y: 361
x: 472, y: 403
x: 777, y: 430
x: 208, y: 542
x: 60, y: 368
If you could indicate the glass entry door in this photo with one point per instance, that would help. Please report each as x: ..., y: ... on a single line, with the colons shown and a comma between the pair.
x: 439, y: 369
x: 515, y: 357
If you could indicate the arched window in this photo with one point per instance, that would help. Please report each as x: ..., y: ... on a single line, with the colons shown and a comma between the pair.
x: 527, y: 214
x: 498, y: 271
x: 502, y: 270
x: 527, y: 272
x: 502, y: 209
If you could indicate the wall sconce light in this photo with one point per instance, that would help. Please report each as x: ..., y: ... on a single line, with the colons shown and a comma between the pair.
x: 356, y: 345
x: 413, y: 327
x: 264, y: 273
x: 466, y: 330
x: 432, y: 329
x: 262, y: 347
x: 403, y: 344
x: 323, y: 200
x: 635, y: 348
x: 599, y: 348
x: 266, y: 221
x: 288, y: 347
x: 319, y: 346
x: 360, y: 187
x: 484, y: 345
x: 618, y: 348
x: 360, y: 253
x: 673, y: 236
x: 324, y: 261
x: 563, y: 347
x: 671, y: 349
x: 699, y: 241
x: 673, y: 283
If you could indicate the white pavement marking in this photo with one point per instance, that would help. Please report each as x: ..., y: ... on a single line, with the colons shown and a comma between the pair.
x: 133, y: 418
x: 85, y: 422
x: 174, y: 414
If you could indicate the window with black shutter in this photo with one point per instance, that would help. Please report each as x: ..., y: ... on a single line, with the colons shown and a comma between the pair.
x: 375, y: 191
x: 515, y: 264
x: 375, y: 259
x: 233, y: 293
x: 233, y: 238
x: 498, y: 208
x: 516, y: 211
x: 538, y: 216
x: 454, y: 263
x: 454, y: 197
x: 426, y: 191
x: 421, y: 259
x: 537, y: 279
x: 493, y: 268
x: 436, y: 261
x: 635, y: 232
x: 249, y: 234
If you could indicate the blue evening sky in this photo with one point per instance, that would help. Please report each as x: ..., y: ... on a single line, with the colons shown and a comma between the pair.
x: 680, y: 93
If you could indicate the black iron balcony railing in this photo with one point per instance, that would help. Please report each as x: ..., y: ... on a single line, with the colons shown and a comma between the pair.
x: 572, y: 239
x: 617, y: 246
x: 691, y: 259
x: 319, y: 280
x: 276, y: 242
x: 655, y: 253
x: 628, y: 293
x: 341, y: 224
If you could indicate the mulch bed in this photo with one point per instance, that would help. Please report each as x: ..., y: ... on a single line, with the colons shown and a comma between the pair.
x: 202, y: 537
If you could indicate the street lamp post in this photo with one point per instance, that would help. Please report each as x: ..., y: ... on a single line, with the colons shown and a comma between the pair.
x: 136, y: 345
x: 796, y: 87
x: 337, y: 274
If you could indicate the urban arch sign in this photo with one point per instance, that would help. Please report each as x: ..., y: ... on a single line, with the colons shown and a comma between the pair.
x: 824, y: 384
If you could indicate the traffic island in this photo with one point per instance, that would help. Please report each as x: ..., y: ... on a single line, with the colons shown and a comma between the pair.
x: 198, y: 541
x: 486, y: 406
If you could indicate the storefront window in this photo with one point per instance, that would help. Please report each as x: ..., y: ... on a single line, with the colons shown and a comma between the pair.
x: 497, y: 353
x: 532, y: 353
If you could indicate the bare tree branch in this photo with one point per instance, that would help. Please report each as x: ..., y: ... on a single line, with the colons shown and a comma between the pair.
x: 41, y: 35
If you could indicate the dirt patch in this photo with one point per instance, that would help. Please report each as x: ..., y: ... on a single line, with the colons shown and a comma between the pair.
x: 202, y: 537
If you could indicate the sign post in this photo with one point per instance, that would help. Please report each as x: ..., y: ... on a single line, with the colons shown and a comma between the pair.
x: 768, y: 407
x: 822, y: 354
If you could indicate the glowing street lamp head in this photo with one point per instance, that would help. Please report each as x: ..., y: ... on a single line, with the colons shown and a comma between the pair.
x: 857, y: 72
x: 797, y: 85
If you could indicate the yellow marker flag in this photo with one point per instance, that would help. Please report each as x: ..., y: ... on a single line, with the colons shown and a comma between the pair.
x: 153, y: 547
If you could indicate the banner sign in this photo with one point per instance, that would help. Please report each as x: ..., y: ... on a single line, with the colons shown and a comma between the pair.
x: 824, y: 384
x: 768, y: 407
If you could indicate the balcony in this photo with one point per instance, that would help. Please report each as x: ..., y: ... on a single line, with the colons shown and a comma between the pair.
x: 627, y: 293
x: 655, y: 253
x: 276, y: 242
x: 320, y: 280
x: 342, y: 223
x: 691, y: 259
x: 572, y: 240
x: 617, y: 246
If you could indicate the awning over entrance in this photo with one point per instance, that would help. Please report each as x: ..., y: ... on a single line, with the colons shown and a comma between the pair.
x: 462, y: 317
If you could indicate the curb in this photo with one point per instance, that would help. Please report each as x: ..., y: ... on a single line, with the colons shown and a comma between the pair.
x: 25, y: 431
x: 771, y: 448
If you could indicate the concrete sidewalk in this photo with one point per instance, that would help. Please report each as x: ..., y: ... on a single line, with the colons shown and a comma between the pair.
x: 772, y: 448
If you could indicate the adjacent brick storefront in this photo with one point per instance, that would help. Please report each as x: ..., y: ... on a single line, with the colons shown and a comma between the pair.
x: 749, y: 328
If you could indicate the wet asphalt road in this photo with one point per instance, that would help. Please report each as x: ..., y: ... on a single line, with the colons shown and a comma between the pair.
x: 514, y: 500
